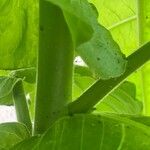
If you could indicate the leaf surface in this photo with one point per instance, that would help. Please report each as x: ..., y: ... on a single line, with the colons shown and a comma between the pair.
x: 18, y: 34
x: 102, y: 132
x: 95, y: 49
x: 30, y: 143
x: 102, y: 88
x: 129, y: 23
x: 121, y: 101
x: 11, y: 134
x: 27, y: 74
x: 6, y: 86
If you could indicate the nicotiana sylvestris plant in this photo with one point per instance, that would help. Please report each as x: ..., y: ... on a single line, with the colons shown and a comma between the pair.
x: 63, y: 106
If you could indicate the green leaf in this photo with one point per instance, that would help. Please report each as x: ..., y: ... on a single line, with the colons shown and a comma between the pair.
x: 121, y: 101
x: 88, y: 132
x: 76, y: 19
x: 119, y: 17
x: 83, y: 71
x: 6, y: 86
x: 130, y: 18
x: 30, y: 143
x: 18, y: 33
x: 80, y: 84
x: 102, y: 88
x: 11, y: 134
x: 27, y: 74
x: 21, y: 28
x: 101, y: 47
x: 7, y: 100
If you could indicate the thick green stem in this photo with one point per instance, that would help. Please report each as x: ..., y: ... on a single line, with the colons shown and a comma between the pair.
x: 55, y: 66
x: 144, y: 36
x: 21, y: 106
x: 103, y: 87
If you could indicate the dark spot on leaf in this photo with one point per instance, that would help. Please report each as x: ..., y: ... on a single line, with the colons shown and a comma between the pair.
x: 98, y: 58
x: 146, y: 17
x: 29, y: 102
x: 71, y: 115
x: 127, y: 127
x: 94, y: 108
x: 41, y: 28
x: 54, y: 113
x: 118, y: 61
x: 99, y: 122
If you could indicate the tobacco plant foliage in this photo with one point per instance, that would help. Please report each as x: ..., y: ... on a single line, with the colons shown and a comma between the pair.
x: 103, y: 105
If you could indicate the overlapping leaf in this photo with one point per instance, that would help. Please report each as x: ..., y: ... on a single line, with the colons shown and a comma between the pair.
x: 103, y: 132
x: 27, y: 74
x: 96, y: 132
x: 101, y: 47
x: 101, y: 88
x: 18, y: 33
x: 11, y: 134
x: 121, y: 101
x: 129, y: 23
x: 30, y: 143
x: 6, y: 87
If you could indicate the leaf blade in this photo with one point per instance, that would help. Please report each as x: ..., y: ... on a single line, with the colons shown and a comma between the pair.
x: 103, y: 87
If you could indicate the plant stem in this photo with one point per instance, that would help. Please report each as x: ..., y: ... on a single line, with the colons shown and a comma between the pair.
x: 55, y: 66
x: 102, y: 88
x: 21, y: 106
x: 143, y: 37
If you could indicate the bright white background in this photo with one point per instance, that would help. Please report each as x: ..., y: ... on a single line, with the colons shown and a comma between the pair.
x: 7, y: 114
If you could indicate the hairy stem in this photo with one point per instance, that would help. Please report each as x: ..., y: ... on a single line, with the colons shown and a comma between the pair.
x: 55, y: 66
x: 21, y: 106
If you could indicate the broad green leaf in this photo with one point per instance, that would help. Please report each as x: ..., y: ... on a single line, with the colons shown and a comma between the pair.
x: 27, y: 74
x: 6, y: 86
x: 83, y: 71
x: 121, y: 101
x: 11, y: 134
x: 18, y: 33
x: 102, y: 88
x: 80, y: 84
x: 142, y: 119
x: 119, y: 17
x: 4, y: 73
x: 129, y: 23
x: 94, y: 132
x: 27, y: 144
x: 7, y: 100
x: 21, y: 28
x: 101, y: 47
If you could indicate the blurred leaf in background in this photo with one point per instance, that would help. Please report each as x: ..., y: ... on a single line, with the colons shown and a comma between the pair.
x: 129, y: 23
